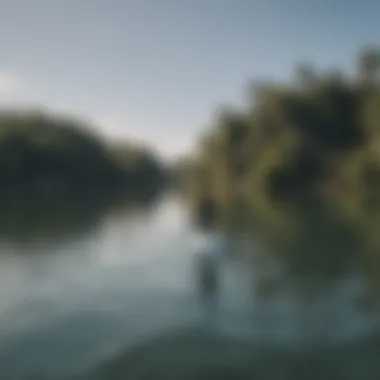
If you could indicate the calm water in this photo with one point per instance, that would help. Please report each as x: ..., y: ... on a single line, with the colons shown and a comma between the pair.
x: 66, y: 304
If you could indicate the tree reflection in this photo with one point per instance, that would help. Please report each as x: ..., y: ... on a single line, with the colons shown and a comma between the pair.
x: 25, y: 219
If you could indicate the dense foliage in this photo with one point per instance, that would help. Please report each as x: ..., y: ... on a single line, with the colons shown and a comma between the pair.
x: 48, y: 155
x: 312, y: 142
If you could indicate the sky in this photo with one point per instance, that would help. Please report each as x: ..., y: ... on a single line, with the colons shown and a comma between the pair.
x: 156, y: 70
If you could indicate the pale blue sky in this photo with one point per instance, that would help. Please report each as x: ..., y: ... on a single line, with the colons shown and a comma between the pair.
x: 156, y: 69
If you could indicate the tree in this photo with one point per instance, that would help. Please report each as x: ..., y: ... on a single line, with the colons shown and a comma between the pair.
x: 287, y: 143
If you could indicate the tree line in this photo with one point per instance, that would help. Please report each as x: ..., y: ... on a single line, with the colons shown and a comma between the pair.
x: 310, y: 143
x: 47, y: 155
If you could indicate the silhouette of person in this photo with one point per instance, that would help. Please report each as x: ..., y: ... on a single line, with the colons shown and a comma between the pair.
x: 207, y: 264
x: 208, y: 279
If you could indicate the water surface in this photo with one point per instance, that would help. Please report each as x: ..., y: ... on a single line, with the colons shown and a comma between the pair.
x: 68, y: 303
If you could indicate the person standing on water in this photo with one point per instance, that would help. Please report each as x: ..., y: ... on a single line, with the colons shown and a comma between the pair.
x: 210, y: 250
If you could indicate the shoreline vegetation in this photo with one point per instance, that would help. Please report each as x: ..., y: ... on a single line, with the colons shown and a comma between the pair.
x: 315, y: 138
x: 50, y: 156
x: 298, y: 167
x: 59, y: 177
x: 302, y: 150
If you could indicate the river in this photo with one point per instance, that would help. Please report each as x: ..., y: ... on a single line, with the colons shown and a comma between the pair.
x: 68, y: 304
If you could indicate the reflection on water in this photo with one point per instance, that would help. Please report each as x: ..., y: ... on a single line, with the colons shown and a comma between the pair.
x: 121, y: 284
x: 24, y: 220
